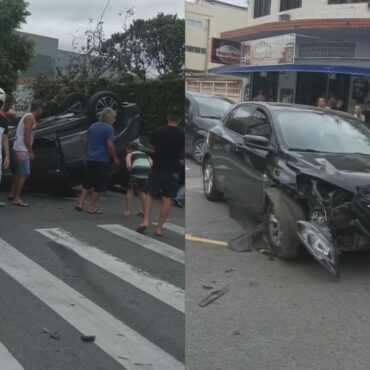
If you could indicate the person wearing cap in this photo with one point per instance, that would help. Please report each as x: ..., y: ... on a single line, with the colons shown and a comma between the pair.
x: 23, y: 153
x: 4, y: 141
x: 100, y: 151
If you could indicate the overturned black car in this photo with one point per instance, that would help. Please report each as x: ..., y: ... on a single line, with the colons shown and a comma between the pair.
x: 303, y: 171
x: 58, y: 141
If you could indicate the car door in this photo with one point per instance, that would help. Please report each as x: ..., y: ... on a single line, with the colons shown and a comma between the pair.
x: 250, y: 163
x: 230, y: 136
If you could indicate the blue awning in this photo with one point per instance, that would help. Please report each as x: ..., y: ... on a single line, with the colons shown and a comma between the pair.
x: 238, y: 69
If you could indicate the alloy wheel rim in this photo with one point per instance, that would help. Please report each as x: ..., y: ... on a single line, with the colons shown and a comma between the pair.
x: 208, y: 179
x: 198, y: 151
x: 106, y: 102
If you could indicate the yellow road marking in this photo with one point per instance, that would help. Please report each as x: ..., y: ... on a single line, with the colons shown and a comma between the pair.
x: 192, y: 238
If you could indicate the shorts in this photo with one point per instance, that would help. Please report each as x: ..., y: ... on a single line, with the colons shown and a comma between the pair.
x: 137, y: 184
x: 165, y: 183
x: 22, y: 163
x: 96, y: 176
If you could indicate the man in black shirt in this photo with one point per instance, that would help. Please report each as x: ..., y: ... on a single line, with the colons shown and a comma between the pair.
x: 167, y: 144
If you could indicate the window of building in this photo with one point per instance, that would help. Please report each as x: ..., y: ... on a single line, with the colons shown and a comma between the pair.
x: 347, y: 1
x: 195, y: 23
x: 290, y: 4
x: 194, y: 49
x: 262, y: 8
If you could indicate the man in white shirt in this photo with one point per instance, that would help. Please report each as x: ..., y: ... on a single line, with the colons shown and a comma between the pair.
x: 23, y: 153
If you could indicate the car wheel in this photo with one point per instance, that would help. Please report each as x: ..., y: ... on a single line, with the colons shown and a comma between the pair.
x: 198, y: 148
x: 74, y: 101
x: 209, y: 186
x: 101, y: 100
x: 281, y: 227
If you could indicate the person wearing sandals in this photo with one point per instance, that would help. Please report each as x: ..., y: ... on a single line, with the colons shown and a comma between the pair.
x: 100, y: 151
x: 138, y: 164
x: 167, y: 144
x: 23, y: 153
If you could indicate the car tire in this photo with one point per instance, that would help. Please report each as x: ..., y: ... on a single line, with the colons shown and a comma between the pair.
x: 75, y: 100
x: 280, y: 226
x: 209, y: 187
x: 101, y: 100
x: 198, y: 147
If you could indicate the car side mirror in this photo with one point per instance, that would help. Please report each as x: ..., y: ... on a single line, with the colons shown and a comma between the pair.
x: 258, y: 142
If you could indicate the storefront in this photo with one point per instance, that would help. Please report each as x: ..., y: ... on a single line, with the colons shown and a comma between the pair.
x: 293, y: 68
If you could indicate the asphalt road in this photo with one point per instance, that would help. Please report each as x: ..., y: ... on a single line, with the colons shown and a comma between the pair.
x: 277, y: 315
x: 75, y: 274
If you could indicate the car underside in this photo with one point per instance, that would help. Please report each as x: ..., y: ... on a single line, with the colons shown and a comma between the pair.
x: 59, y: 141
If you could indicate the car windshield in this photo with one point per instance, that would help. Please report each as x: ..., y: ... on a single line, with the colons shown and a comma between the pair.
x: 212, y: 106
x: 323, y: 132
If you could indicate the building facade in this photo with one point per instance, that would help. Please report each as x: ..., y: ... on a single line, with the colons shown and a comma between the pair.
x: 331, y: 51
x: 205, y: 20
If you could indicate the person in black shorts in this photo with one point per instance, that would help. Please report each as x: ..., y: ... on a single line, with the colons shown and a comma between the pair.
x: 167, y: 144
x: 100, y: 151
x: 138, y: 164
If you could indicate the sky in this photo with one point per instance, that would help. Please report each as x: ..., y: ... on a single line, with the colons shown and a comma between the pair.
x: 63, y: 19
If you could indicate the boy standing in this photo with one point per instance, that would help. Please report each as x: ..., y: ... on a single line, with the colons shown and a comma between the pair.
x: 138, y: 164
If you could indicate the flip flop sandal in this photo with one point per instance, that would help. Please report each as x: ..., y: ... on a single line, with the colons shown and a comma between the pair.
x: 79, y: 209
x: 140, y: 214
x: 21, y: 204
x: 158, y: 234
x: 96, y: 212
x: 141, y: 229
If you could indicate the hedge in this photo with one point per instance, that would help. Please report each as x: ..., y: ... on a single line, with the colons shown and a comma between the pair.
x: 153, y: 97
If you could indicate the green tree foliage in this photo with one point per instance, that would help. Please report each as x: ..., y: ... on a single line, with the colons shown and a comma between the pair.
x: 15, y: 51
x: 154, y: 46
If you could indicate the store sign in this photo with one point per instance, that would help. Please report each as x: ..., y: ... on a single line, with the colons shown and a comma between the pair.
x: 269, y: 51
x: 225, y: 51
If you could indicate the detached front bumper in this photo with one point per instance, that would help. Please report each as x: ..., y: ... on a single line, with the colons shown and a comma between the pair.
x: 319, y: 243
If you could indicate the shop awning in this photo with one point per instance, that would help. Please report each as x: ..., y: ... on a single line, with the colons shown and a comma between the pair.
x: 239, y: 70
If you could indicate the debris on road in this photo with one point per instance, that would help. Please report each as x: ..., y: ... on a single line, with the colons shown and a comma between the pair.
x: 88, y: 338
x: 207, y: 287
x: 229, y: 270
x: 45, y: 330
x: 55, y: 335
x: 236, y: 333
x: 214, y: 296
x: 245, y: 242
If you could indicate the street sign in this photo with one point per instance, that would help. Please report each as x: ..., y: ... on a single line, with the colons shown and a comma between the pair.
x: 269, y: 51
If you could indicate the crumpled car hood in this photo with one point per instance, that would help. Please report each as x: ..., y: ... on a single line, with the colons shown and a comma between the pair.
x: 347, y: 171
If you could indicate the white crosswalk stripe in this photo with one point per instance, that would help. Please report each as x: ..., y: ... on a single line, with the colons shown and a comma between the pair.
x: 174, y: 228
x: 159, y: 289
x: 7, y: 360
x: 146, y: 242
x: 118, y: 340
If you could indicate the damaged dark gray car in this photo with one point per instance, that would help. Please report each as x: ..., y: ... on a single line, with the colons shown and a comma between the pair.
x: 303, y: 171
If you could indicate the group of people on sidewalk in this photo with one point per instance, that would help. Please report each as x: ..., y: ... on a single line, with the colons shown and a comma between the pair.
x: 152, y: 172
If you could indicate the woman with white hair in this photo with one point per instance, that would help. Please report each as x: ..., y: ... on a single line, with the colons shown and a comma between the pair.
x: 100, y: 151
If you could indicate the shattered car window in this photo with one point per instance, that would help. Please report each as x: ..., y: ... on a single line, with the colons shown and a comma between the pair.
x: 322, y: 132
